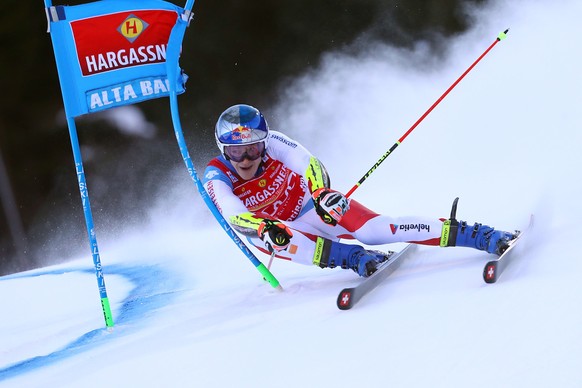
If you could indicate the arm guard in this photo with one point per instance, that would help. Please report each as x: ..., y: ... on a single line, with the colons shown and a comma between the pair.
x: 246, y: 223
x: 316, y: 175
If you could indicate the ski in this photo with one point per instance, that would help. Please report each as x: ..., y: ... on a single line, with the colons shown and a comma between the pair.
x: 348, y: 297
x: 494, y: 268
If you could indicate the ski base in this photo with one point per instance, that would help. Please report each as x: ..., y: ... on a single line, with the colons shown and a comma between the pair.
x: 348, y: 297
x: 494, y: 268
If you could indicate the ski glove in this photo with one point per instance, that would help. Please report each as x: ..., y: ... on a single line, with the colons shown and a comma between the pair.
x: 330, y: 205
x: 275, y: 235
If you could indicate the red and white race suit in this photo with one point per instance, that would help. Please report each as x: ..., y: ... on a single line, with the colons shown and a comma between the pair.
x: 280, y: 191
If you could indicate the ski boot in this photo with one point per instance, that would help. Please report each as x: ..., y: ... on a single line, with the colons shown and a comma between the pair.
x: 334, y: 254
x: 478, y: 236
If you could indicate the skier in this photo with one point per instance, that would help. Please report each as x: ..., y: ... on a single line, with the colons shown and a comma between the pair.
x: 277, y: 194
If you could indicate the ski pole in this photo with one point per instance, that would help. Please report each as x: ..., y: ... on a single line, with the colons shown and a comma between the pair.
x: 499, y: 38
x: 271, y: 260
x: 269, y: 267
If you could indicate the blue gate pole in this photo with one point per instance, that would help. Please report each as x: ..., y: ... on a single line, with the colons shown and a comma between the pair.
x: 173, y: 53
x: 89, y: 221
x: 86, y: 206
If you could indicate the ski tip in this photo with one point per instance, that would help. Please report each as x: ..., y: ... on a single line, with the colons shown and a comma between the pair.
x: 490, y: 272
x: 344, y: 299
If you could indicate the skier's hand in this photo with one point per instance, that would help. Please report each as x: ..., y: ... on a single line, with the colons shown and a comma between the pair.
x: 275, y: 235
x: 330, y: 205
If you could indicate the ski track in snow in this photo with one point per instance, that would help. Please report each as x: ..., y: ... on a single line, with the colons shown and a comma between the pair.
x: 145, y: 296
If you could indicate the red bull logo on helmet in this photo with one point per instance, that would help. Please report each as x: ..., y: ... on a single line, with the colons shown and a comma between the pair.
x: 241, y: 134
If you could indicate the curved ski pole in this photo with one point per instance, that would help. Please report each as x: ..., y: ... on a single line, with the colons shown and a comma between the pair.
x: 173, y: 54
x: 500, y: 37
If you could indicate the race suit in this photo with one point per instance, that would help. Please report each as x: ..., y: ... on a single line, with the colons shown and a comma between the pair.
x: 281, y: 190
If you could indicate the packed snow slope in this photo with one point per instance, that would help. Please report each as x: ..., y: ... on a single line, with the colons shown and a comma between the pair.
x: 190, y: 310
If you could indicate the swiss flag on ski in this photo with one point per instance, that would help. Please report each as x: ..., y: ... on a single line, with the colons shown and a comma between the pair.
x: 494, y: 268
x: 348, y: 297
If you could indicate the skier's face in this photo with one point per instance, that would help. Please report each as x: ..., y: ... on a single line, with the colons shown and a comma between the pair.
x: 247, y: 168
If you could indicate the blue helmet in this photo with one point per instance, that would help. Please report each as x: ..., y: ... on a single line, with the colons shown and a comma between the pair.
x: 241, y: 124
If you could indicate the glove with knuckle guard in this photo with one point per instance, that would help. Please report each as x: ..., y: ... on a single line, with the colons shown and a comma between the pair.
x: 330, y: 205
x: 275, y: 235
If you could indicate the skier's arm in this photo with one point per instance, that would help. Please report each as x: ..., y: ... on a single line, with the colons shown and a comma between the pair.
x: 329, y: 204
x: 316, y: 175
x: 226, y: 201
x: 274, y: 233
x: 246, y: 223
x: 299, y: 159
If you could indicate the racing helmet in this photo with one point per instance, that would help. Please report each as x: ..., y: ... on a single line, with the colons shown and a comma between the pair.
x: 241, y: 124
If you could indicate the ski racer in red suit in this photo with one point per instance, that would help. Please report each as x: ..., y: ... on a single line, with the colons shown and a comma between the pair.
x: 277, y: 194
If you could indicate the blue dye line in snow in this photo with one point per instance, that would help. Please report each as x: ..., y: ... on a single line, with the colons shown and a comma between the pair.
x: 153, y: 287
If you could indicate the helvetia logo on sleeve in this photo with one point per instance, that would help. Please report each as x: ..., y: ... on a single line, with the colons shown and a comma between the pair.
x: 121, y: 40
x: 408, y: 227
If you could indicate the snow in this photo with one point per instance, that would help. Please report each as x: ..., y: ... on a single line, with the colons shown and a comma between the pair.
x: 128, y: 119
x: 189, y: 313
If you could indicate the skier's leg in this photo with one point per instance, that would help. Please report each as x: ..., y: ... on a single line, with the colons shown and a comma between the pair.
x: 478, y: 236
x: 315, y: 250
x: 371, y: 228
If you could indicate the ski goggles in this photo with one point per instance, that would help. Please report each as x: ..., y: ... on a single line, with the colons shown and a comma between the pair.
x: 238, y: 153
